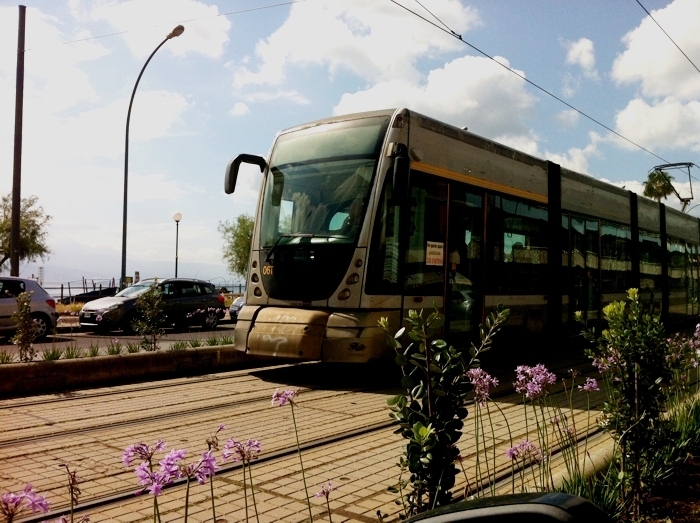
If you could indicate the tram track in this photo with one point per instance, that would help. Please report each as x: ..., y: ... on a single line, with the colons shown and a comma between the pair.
x: 98, y: 502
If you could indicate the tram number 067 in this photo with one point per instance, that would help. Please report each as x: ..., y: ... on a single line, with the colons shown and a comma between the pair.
x: 267, y: 270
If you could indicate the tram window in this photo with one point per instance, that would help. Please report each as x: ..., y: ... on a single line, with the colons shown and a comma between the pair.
x: 383, y: 270
x: 518, y: 233
x: 650, y: 269
x: 693, y: 280
x: 585, y: 284
x: 615, y: 257
x: 677, y: 278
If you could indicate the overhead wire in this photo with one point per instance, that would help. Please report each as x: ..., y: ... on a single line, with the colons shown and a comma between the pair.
x: 669, y: 36
x: 230, y: 13
x: 459, y: 37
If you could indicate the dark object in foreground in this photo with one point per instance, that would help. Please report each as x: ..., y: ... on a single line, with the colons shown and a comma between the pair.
x: 551, y: 507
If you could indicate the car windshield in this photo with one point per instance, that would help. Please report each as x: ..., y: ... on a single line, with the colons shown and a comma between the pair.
x: 134, y: 290
x: 318, y: 182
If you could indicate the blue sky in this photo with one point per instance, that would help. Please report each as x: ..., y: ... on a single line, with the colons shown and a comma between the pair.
x: 230, y: 82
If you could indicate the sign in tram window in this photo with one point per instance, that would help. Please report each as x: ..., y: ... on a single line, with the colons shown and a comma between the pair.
x: 435, y: 253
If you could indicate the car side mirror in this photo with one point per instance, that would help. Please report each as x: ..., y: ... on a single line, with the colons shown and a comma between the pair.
x: 233, y: 166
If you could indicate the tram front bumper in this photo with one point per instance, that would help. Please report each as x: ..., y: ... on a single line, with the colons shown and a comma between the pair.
x: 347, y: 336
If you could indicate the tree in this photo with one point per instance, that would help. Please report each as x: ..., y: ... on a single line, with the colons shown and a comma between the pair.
x: 237, y: 237
x: 32, y: 233
x: 658, y: 185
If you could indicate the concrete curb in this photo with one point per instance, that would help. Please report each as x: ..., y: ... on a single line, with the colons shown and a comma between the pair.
x: 45, y: 377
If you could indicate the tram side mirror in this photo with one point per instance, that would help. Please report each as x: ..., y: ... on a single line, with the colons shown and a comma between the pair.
x: 277, y: 187
x: 402, y: 168
x: 233, y: 166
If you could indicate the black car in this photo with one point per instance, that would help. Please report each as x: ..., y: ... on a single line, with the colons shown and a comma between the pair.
x: 186, y: 302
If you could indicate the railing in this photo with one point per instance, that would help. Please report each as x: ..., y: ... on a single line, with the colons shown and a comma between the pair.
x: 69, y: 290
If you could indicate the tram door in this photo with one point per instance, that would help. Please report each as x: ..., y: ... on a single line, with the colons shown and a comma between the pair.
x: 443, y: 264
x: 424, y: 262
x: 463, y: 290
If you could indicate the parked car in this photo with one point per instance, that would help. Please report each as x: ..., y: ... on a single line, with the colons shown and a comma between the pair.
x: 186, y: 302
x: 43, y: 305
x: 235, y: 308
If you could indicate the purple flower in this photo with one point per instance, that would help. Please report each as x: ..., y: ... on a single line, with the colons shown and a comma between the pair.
x: 326, y: 490
x: 11, y: 504
x: 482, y: 382
x: 141, y: 451
x: 534, y: 381
x: 284, y: 397
x: 239, y: 451
x: 525, y: 450
x: 589, y: 386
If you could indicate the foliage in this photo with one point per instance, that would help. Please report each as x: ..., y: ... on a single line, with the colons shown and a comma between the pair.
x: 151, y: 317
x: 237, y: 237
x: 195, y: 343
x: 93, y: 350
x: 6, y: 357
x: 114, y: 347
x: 73, y: 351
x: 71, y: 309
x: 52, y: 354
x: 26, y: 331
x: 133, y: 347
x: 212, y: 341
x: 33, y: 232
x: 178, y: 346
x: 632, y: 354
x: 431, y: 411
x: 226, y: 340
x: 658, y: 185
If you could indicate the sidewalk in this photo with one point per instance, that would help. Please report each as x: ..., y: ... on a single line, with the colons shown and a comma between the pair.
x: 363, y: 466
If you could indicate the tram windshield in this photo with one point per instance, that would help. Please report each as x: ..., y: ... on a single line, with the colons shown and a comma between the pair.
x: 318, y: 183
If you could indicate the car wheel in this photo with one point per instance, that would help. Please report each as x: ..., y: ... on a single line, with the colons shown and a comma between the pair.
x: 211, y: 320
x: 41, y: 326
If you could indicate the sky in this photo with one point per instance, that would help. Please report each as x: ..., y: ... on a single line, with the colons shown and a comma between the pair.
x: 244, y: 69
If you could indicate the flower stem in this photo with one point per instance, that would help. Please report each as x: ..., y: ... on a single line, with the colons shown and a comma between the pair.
x: 245, y: 495
x: 328, y: 505
x: 303, y: 476
x: 211, y: 487
x: 252, y: 490
x: 187, y: 498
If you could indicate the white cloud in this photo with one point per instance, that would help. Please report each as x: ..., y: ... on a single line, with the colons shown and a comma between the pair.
x: 576, y: 158
x: 468, y: 91
x: 138, y: 18
x: 239, y: 109
x: 288, y: 96
x: 653, y: 60
x: 668, y: 123
x: 568, y: 117
x: 581, y: 53
x: 361, y: 36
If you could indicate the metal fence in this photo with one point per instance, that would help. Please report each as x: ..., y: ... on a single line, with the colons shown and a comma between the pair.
x: 96, y: 288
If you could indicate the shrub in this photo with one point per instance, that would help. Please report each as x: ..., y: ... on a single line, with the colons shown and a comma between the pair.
x: 6, y: 357
x: 178, y: 346
x: 151, y: 318
x: 94, y: 350
x: 52, y: 354
x: 26, y: 332
x: 73, y: 351
x: 431, y: 410
x: 195, y: 343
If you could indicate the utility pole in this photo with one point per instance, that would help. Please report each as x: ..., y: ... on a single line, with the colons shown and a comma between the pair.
x: 17, y: 169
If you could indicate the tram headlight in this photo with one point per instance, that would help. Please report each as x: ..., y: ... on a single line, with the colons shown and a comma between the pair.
x: 344, y: 294
x: 257, y: 291
x: 353, y: 278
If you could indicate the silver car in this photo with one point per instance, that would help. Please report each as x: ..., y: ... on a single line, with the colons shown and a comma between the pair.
x: 43, y: 305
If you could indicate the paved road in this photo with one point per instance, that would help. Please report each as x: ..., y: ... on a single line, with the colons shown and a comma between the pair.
x: 69, y: 334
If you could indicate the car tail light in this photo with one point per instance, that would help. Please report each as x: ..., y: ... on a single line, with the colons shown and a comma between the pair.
x: 51, y: 303
x: 221, y: 298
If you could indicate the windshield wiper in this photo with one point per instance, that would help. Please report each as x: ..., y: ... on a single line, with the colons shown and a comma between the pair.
x: 286, y: 235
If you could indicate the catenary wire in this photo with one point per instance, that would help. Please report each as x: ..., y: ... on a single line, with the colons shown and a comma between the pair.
x: 459, y: 37
x: 230, y: 13
x: 669, y: 36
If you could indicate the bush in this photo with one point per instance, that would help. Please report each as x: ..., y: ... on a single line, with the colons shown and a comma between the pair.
x: 26, y: 331
x: 151, y: 318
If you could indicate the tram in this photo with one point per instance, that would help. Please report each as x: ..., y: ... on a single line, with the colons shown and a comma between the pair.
x: 369, y: 215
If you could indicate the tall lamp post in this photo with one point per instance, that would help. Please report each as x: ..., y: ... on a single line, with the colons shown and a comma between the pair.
x: 175, y: 32
x: 177, y: 217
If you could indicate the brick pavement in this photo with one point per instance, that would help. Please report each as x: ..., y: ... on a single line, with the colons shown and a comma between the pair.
x: 363, y: 466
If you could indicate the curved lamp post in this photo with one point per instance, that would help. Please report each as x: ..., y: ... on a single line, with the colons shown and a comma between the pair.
x: 175, y: 32
x: 177, y: 217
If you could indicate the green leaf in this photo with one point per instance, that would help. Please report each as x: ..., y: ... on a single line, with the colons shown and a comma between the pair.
x: 407, y: 382
x: 401, y: 360
x: 399, y: 333
x: 438, y: 322
x: 394, y: 400
x: 440, y: 344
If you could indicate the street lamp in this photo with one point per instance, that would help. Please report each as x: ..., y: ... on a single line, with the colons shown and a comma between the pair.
x: 177, y: 217
x: 175, y: 32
